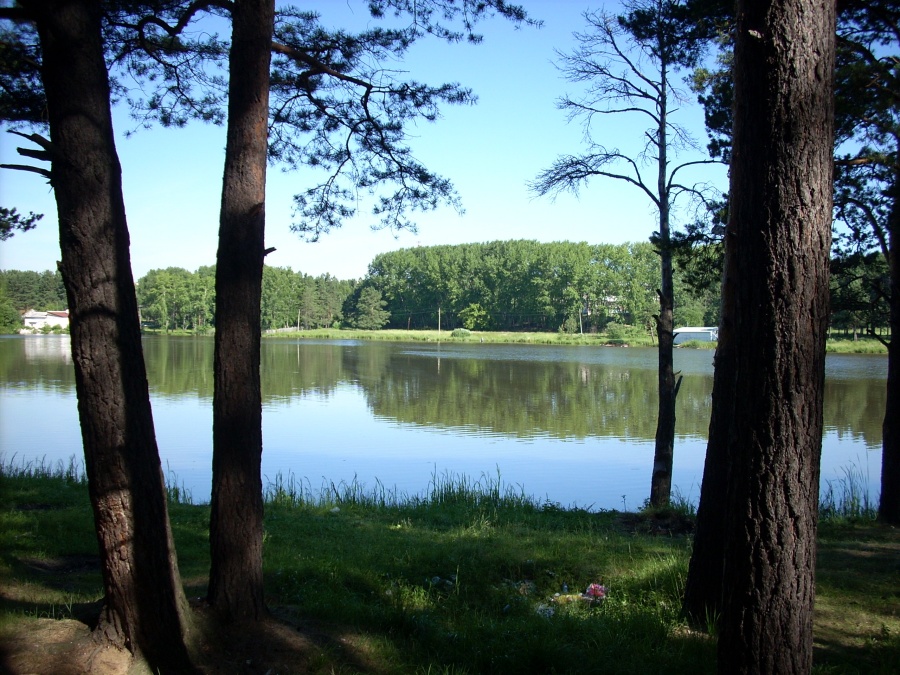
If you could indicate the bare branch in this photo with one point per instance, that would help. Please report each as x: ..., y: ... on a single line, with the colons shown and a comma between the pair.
x: 569, y: 173
x: 25, y: 167
x: 687, y: 164
x: 35, y: 138
x: 44, y: 155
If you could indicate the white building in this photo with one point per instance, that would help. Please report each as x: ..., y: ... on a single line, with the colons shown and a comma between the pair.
x: 36, y: 321
x: 699, y: 333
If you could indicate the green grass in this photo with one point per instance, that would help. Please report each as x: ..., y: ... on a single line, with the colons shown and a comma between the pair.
x: 462, y: 578
x: 634, y: 338
x: 865, y: 345
x: 698, y: 344
x: 847, y: 498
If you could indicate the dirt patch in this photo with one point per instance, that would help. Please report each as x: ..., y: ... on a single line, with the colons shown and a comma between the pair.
x: 275, y: 645
x: 61, y: 647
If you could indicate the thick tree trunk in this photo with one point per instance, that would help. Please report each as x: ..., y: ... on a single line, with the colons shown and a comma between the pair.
x: 889, y: 505
x: 236, y: 525
x: 145, y: 608
x: 703, y: 587
x: 779, y: 234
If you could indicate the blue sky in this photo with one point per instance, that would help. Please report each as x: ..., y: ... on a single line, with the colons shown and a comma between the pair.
x: 172, y: 177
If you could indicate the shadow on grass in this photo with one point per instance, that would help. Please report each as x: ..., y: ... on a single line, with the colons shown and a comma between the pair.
x: 858, y: 599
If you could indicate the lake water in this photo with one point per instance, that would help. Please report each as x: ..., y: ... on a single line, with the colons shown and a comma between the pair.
x: 571, y: 425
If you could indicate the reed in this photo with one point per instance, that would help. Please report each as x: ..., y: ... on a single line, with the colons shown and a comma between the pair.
x: 848, y: 497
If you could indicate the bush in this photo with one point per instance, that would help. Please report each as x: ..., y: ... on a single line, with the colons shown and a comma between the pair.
x: 571, y: 325
x: 474, y: 317
x: 618, y: 331
x: 461, y: 333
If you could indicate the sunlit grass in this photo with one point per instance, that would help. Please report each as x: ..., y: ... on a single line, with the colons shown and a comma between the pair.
x: 470, y: 575
x: 635, y: 338
x: 865, y: 345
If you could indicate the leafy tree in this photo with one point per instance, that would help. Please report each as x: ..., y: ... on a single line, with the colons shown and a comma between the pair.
x: 331, y: 294
x: 629, y: 63
x: 10, y: 319
x: 772, y: 337
x: 11, y: 221
x: 202, y: 301
x: 34, y: 290
x: 370, y: 313
x: 280, y: 297
x: 166, y: 298
x: 145, y: 609
x: 176, y: 298
x: 474, y: 317
x: 859, y: 292
x: 519, y: 284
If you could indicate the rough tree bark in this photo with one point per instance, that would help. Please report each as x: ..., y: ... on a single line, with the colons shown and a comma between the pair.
x: 145, y: 608
x: 236, y: 524
x: 779, y: 239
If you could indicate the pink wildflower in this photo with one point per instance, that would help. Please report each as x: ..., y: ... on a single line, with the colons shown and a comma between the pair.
x: 595, y: 592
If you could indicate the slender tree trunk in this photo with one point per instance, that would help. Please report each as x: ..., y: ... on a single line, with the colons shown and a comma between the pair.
x: 780, y: 235
x: 664, y: 452
x: 145, y: 608
x: 236, y: 524
x: 889, y: 505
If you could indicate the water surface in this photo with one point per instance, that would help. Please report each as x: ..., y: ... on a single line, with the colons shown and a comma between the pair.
x: 571, y: 425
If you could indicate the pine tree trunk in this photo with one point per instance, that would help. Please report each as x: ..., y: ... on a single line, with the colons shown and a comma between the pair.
x: 236, y: 524
x: 703, y: 587
x: 145, y: 608
x: 780, y: 235
x: 889, y: 505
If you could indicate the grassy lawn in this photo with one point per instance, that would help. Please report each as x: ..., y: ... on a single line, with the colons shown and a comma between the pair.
x: 465, y: 580
x: 634, y: 338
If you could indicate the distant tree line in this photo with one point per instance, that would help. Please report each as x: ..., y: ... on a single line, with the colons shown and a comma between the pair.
x: 25, y: 289
x: 526, y: 285
x: 500, y: 285
x: 174, y: 298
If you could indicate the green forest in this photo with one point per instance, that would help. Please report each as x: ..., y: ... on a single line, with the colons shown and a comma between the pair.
x: 501, y: 285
